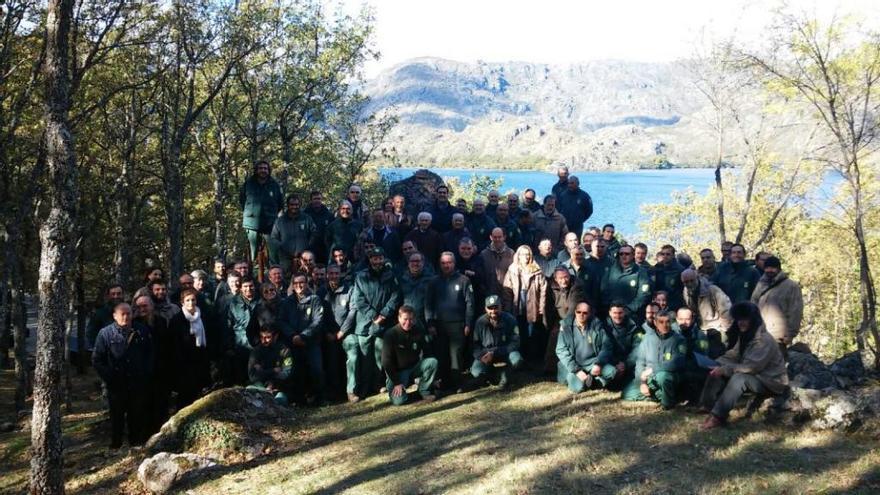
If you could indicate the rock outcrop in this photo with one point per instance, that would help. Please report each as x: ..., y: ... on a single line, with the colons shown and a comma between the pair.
x: 418, y: 189
x: 159, y: 474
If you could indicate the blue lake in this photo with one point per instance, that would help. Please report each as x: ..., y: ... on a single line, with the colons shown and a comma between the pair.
x: 617, y: 196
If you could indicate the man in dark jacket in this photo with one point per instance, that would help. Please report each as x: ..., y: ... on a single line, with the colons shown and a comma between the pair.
x: 627, y: 282
x: 693, y: 376
x: 561, y: 184
x: 299, y: 319
x: 442, y: 211
x: 339, y: 325
x: 321, y: 216
x: 406, y: 356
x: 241, y: 329
x: 414, y: 286
x: 449, y: 309
x: 343, y: 232
x: 270, y: 365
x: 504, y: 221
x: 376, y: 298
x: 667, y: 277
x: 480, y: 224
x: 427, y: 240
x: 496, y: 343
x: 123, y: 358
x: 458, y: 232
x: 575, y: 205
x: 625, y: 336
x: 736, y: 277
x: 103, y: 315
x: 260, y: 199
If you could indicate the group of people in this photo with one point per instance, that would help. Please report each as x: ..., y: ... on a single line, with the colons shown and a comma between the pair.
x: 358, y: 301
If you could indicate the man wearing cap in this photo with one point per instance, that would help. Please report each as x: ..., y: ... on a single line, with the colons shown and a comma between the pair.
x: 781, y: 303
x: 584, y: 351
x: 660, y: 360
x: 376, y: 297
x: 449, y: 309
x: 496, y: 344
x: 406, y: 356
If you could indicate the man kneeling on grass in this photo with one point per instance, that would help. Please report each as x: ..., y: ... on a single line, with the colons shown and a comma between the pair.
x: 754, y: 364
x: 405, y: 358
x: 584, y: 350
x: 496, y: 344
x: 270, y: 365
x: 661, y: 357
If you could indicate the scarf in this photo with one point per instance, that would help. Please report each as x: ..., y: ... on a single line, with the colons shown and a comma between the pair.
x: 196, y: 327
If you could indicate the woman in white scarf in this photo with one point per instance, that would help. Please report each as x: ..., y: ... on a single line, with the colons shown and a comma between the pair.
x: 189, y: 328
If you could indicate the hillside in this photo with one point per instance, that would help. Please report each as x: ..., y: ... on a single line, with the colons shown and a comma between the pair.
x: 598, y: 115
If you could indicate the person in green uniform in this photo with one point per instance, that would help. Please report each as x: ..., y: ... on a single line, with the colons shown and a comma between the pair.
x: 626, y: 282
x: 260, y: 199
x: 293, y: 233
x: 660, y: 361
x: 496, y: 344
x: 693, y: 376
x: 584, y: 351
x: 241, y: 329
x: 449, y: 310
x: 736, y: 277
x: 625, y: 336
x: 406, y: 356
x: 270, y: 365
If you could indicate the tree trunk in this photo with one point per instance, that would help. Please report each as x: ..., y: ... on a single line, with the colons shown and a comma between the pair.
x: 867, y: 298
x: 220, y: 170
x: 718, y: 185
x: 5, y: 324
x: 174, y: 210
x: 20, y: 333
x: 56, y: 236
x: 81, y: 348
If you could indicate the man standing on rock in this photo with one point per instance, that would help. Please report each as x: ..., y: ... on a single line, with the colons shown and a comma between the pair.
x: 124, y: 358
x: 561, y: 184
x: 781, y: 303
x: 575, y: 205
x: 293, y: 233
x: 261, y: 200
x: 441, y: 212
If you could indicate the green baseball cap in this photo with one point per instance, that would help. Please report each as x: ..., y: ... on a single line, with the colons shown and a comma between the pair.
x: 493, y: 300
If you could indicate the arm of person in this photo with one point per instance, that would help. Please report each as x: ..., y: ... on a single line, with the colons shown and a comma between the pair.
x: 317, y: 316
x: 566, y: 357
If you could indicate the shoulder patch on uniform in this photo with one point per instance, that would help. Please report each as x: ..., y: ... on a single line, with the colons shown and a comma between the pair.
x: 668, y: 356
x: 645, y: 287
x: 632, y: 283
x: 682, y: 348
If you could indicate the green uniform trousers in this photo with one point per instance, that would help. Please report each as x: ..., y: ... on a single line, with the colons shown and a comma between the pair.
x: 425, y: 370
x: 576, y: 386
x: 662, y: 386
x: 363, y: 360
x: 449, y: 347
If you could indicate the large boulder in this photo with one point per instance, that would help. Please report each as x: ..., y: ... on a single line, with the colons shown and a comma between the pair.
x: 834, y: 409
x: 158, y: 474
x: 849, y: 370
x: 805, y: 370
x: 229, y: 425
x: 418, y: 189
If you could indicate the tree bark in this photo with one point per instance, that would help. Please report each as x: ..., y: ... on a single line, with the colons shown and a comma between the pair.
x: 220, y: 170
x: 720, y: 186
x: 56, y: 236
x: 174, y: 212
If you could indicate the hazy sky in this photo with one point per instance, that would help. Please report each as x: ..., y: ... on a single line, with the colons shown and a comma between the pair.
x: 566, y: 31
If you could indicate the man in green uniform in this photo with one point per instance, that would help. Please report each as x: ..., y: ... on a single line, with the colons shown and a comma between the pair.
x: 293, y: 233
x: 300, y: 318
x: 339, y: 324
x: 480, y: 224
x: 693, y: 376
x: 628, y: 283
x: 736, y: 277
x: 241, y: 323
x: 343, y: 232
x: 449, y: 309
x: 667, y: 276
x: 414, y: 286
x: 496, y: 342
x: 660, y: 361
x: 405, y: 357
x: 376, y: 298
x: 261, y: 200
x: 613, y: 243
x: 270, y: 365
x: 625, y: 337
x: 584, y: 351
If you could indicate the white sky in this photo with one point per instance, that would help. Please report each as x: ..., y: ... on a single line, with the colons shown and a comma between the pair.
x: 568, y: 31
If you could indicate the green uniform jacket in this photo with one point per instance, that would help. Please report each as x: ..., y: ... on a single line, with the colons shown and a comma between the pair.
x: 661, y: 353
x: 294, y: 235
x: 337, y: 305
x: 342, y: 233
x: 260, y: 204
x: 589, y: 284
x: 581, y: 351
x: 450, y: 299
x: 668, y: 278
x: 375, y: 293
x: 737, y: 280
x: 631, y: 285
x: 612, y: 248
x: 598, y: 268
x: 301, y: 317
x: 625, y: 340
x: 402, y: 350
x: 697, y: 341
x: 415, y: 293
x: 241, y: 323
x: 480, y: 226
x: 511, y: 233
x: 274, y: 356
x: 499, y: 341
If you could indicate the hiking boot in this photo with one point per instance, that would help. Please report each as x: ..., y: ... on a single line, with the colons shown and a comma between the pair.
x: 353, y: 398
x: 712, y: 422
x: 503, y: 383
x: 427, y: 399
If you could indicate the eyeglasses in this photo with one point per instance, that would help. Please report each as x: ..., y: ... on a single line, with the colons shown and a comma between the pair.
x: 582, y: 312
x: 625, y: 253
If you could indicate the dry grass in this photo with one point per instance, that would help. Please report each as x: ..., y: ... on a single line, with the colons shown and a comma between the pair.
x: 535, y: 439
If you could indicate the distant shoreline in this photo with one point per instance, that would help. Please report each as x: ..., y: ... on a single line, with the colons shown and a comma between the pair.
x: 387, y: 169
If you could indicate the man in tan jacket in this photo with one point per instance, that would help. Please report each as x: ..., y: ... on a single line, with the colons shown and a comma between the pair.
x: 781, y: 303
x: 709, y: 304
x: 754, y: 364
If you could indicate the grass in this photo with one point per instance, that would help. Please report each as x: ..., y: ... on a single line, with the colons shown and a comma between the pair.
x: 534, y: 439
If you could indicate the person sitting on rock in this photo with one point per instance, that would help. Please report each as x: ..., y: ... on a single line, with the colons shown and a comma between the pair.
x: 754, y: 364
x: 270, y: 365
